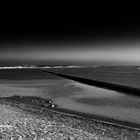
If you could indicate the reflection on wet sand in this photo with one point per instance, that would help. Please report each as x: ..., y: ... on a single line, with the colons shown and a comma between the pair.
x: 75, y: 96
x: 120, y: 102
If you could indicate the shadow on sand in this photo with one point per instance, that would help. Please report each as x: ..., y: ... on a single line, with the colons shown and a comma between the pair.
x: 106, y: 85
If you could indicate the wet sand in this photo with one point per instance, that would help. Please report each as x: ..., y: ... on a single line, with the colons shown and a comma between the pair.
x: 71, y: 95
x: 121, y: 75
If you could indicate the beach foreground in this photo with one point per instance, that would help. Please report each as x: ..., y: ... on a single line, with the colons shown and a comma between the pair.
x: 72, y: 95
x: 20, y: 121
x: 34, y: 117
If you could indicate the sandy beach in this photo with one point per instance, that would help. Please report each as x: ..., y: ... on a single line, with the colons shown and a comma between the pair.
x: 73, y: 98
x: 68, y: 94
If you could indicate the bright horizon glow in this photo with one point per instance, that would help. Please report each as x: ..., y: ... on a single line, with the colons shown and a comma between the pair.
x: 114, y: 54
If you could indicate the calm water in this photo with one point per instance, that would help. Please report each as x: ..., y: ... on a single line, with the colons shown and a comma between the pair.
x: 72, y: 95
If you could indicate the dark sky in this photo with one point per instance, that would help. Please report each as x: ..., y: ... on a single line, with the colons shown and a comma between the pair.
x: 84, y: 40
